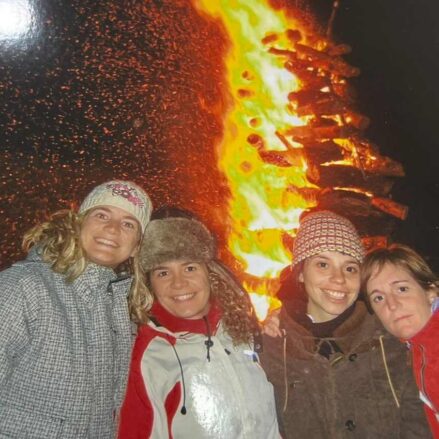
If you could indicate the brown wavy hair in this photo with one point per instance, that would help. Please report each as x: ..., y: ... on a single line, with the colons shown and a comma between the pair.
x: 59, y: 244
x: 401, y: 256
x: 238, y: 315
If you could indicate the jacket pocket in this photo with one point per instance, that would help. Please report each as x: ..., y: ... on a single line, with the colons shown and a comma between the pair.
x: 17, y: 423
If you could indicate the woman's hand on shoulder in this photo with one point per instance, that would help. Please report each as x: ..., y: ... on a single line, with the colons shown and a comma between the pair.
x: 271, y: 325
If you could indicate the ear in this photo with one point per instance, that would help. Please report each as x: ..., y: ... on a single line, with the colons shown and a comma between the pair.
x: 301, y: 277
x: 431, y: 294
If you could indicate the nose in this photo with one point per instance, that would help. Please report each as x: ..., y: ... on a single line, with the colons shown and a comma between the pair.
x: 337, y: 275
x: 111, y: 226
x: 178, y: 280
x: 391, y: 302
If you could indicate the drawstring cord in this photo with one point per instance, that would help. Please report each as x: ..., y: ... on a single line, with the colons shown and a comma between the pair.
x: 284, y: 336
x: 208, y: 342
x: 183, y: 407
x: 389, y: 379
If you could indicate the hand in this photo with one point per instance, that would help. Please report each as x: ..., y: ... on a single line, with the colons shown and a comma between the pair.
x: 271, y: 325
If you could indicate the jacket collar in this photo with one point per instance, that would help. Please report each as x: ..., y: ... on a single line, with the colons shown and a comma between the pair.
x: 94, y: 280
x: 427, y: 335
x: 356, y: 332
x: 161, y: 317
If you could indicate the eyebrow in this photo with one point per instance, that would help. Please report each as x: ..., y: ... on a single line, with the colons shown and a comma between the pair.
x: 166, y: 267
x: 395, y: 282
x: 327, y: 258
x: 106, y: 209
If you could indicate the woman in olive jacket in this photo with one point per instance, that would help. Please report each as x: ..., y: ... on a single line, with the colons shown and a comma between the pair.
x: 336, y: 372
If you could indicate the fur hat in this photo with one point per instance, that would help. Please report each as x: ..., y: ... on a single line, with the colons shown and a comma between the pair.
x: 176, y: 238
x: 123, y: 194
x: 326, y: 231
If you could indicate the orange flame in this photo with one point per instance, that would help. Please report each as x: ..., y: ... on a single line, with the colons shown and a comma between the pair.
x: 260, y: 163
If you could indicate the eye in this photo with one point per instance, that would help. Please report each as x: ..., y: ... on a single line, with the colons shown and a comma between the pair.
x: 191, y: 268
x: 322, y: 264
x: 352, y: 269
x: 100, y: 215
x: 161, y: 273
x: 129, y: 225
x: 403, y: 289
x: 377, y: 298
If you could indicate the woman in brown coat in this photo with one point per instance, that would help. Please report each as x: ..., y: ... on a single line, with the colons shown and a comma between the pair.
x: 336, y: 372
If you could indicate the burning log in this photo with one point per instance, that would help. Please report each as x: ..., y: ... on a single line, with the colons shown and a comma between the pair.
x: 293, y: 35
x: 307, y: 96
x: 364, y: 204
x: 270, y: 38
x: 320, y: 132
x: 391, y: 207
x: 326, y: 62
x: 309, y: 77
x: 344, y: 90
x: 371, y: 242
x: 309, y: 194
x: 291, y: 157
x: 340, y: 49
x: 359, y: 208
x: 277, y: 158
x: 373, y: 162
x: 357, y: 120
x: 322, y: 152
x: 348, y: 177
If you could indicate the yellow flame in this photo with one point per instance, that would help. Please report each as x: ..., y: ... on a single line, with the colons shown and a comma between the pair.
x: 261, y: 208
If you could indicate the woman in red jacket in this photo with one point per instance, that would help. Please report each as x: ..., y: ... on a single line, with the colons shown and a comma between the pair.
x: 402, y: 291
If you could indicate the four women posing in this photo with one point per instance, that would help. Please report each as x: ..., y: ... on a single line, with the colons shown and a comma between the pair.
x: 65, y: 335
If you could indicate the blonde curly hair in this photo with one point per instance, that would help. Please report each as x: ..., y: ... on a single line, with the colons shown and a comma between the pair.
x: 58, y: 240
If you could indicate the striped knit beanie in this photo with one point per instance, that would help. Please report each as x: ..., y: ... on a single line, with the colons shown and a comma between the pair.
x: 326, y: 231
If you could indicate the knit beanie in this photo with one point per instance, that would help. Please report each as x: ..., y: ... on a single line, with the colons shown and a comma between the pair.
x: 123, y: 194
x: 326, y: 231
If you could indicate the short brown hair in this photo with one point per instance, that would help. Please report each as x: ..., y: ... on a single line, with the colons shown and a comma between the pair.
x: 401, y: 256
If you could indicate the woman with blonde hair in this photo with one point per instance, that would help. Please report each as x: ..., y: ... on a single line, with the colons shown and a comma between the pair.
x: 65, y: 332
x: 402, y: 290
x: 194, y: 370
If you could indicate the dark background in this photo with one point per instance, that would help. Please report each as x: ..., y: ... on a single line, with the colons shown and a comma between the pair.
x: 132, y: 89
x: 396, y: 45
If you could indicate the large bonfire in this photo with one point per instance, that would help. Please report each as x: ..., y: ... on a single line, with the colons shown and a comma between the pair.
x: 293, y: 140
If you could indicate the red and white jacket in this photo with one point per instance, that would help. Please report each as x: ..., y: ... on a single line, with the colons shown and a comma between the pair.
x: 425, y: 348
x: 188, y: 380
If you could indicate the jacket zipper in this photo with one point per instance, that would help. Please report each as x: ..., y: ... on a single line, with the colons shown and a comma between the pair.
x: 423, y: 365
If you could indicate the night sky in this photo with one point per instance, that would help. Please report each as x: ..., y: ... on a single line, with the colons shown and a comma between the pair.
x: 396, y: 45
x: 133, y: 89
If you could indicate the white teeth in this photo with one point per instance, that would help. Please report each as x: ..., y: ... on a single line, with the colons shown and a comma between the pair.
x: 335, y: 294
x: 183, y: 297
x: 106, y: 242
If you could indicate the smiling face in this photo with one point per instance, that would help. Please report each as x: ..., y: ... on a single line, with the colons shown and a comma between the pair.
x: 182, y: 287
x: 332, y: 283
x: 109, y: 236
x: 399, y: 301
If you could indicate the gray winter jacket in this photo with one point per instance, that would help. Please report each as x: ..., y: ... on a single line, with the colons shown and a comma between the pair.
x: 64, y: 351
